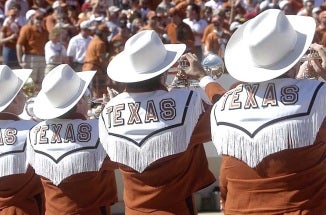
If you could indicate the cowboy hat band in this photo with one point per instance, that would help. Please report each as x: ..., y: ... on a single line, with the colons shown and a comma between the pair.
x: 268, y: 45
x: 144, y: 57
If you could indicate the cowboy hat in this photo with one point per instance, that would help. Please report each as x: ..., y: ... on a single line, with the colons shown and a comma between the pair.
x: 11, y: 82
x: 62, y: 88
x: 144, y: 57
x: 268, y: 45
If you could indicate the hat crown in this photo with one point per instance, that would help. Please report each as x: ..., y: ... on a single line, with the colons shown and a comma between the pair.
x: 262, y: 33
x: 140, y: 48
x: 8, y: 84
x: 61, y: 85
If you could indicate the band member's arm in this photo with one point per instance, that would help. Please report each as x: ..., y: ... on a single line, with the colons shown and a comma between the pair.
x: 212, y: 89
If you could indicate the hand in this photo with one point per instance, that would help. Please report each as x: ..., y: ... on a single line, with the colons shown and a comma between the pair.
x: 22, y: 65
x: 314, y: 67
x: 319, y: 66
x: 195, y: 69
x: 112, y: 93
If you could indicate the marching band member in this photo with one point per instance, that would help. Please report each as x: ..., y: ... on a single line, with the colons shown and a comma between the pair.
x: 21, y: 191
x: 64, y: 149
x: 154, y: 134
x: 271, y: 130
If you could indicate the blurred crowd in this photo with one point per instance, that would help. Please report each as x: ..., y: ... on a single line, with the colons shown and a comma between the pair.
x: 41, y: 34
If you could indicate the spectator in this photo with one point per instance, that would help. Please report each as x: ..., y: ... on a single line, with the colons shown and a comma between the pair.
x: 113, y: 21
x: 78, y: 44
x: 59, y: 15
x: 216, y: 41
x: 54, y: 49
x: 214, y: 4
x: 197, y: 25
x: 30, y: 48
x: 8, y: 39
x: 180, y: 32
x: 97, y: 58
x: 164, y: 6
x: 118, y: 41
x: 308, y: 6
x: 23, y: 8
x: 153, y: 24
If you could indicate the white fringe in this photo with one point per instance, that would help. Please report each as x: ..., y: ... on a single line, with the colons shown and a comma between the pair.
x: 78, y: 162
x: 13, y: 164
x: 288, y: 134
x: 168, y: 142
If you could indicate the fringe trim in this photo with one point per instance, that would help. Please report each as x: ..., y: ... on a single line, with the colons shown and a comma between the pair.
x: 289, y: 134
x: 78, y: 162
x: 13, y: 164
x: 167, y: 143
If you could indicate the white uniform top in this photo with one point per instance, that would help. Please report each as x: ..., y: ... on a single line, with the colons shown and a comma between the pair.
x: 13, y: 146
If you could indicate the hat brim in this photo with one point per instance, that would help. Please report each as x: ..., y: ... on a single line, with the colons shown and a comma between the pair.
x: 44, y: 109
x: 23, y: 75
x: 122, y: 70
x: 240, y: 66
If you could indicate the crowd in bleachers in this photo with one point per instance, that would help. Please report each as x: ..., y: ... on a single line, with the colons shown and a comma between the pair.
x: 39, y: 34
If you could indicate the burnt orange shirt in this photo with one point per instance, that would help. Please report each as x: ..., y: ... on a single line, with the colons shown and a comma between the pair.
x: 93, y: 59
x: 8, y: 32
x: 21, y: 194
x: 32, y: 40
x: 181, y: 33
x: 84, y: 193
x: 291, y: 182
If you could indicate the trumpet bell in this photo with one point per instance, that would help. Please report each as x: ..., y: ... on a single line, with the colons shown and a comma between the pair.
x: 29, y: 87
x: 213, y: 65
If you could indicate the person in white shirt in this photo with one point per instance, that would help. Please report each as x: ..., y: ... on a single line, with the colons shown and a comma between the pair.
x: 78, y: 45
x: 54, y: 49
x: 197, y: 25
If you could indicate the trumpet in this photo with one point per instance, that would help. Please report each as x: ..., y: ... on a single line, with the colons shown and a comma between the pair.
x: 312, y: 55
x: 29, y: 88
x: 212, y: 64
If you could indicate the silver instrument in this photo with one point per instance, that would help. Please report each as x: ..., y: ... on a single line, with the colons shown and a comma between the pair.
x: 212, y: 64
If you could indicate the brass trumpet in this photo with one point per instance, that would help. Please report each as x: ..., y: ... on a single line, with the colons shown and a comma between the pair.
x: 312, y: 55
x: 213, y: 66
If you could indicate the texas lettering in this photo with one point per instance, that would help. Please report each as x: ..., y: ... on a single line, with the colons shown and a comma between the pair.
x: 57, y: 133
x: 137, y: 112
x: 237, y: 99
x: 8, y: 136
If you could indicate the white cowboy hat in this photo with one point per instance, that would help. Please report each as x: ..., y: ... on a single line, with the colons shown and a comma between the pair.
x: 62, y: 88
x: 268, y: 45
x: 144, y: 57
x: 11, y: 82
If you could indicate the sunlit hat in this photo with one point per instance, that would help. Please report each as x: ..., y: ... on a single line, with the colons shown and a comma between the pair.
x: 29, y: 14
x: 144, y: 57
x: 87, y: 24
x: 62, y: 88
x: 268, y: 45
x: 114, y: 9
x: 11, y: 82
